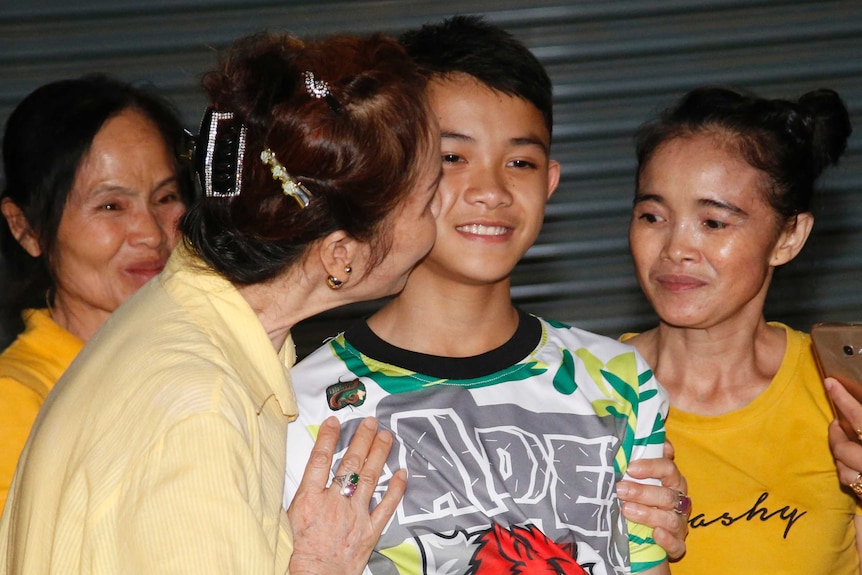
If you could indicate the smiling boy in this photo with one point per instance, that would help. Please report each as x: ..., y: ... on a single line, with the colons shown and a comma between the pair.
x: 514, y: 430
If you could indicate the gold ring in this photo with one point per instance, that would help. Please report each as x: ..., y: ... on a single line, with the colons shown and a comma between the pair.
x: 859, y: 434
x: 856, y: 485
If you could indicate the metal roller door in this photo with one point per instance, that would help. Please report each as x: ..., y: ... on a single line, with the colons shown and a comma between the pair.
x: 614, y: 64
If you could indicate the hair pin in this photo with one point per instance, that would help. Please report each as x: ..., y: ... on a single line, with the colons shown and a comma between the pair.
x: 316, y: 88
x: 289, y: 186
x: 319, y: 89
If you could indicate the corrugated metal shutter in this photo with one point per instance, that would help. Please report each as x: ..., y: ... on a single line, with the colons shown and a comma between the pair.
x: 614, y: 64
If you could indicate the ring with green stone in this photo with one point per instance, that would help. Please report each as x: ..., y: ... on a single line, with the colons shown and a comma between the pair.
x: 348, y: 483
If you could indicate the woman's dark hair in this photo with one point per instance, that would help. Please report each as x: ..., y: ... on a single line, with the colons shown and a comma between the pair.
x: 471, y: 45
x: 791, y: 142
x: 47, y: 137
x: 359, y: 151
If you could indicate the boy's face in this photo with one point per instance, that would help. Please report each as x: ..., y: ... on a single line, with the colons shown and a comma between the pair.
x: 497, y: 178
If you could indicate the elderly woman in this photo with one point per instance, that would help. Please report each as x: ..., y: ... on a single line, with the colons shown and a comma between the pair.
x: 161, y: 450
x: 724, y: 186
x: 94, y: 189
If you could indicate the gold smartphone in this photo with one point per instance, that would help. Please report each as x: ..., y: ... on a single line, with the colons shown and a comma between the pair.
x: 838, y: 349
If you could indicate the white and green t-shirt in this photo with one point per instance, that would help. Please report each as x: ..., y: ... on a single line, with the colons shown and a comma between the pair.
x: 512, y: 455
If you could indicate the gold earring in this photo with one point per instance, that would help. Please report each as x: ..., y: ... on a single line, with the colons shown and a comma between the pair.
x: 348, y: 269
x: 334, y: 283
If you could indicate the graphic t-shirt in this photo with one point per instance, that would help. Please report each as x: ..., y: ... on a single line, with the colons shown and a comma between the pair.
x: 512, y: 456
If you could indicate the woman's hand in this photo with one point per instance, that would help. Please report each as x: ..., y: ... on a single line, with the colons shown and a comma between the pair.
x: 846, y: 449
x: 334, y: 534
x: 665, y: 508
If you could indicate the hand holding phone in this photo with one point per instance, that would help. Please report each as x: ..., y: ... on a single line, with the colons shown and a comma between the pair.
x: 838, y: 349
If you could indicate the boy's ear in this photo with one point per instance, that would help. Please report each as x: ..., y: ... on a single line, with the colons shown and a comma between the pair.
x: 20, y: 227
x: 792, y: 239
x: 553, y: 176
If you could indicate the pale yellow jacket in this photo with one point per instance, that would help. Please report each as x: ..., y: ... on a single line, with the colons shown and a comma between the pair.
x: 161, y: 450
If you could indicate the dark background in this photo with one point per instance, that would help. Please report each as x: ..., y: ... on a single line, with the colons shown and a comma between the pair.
x: 614, y: 63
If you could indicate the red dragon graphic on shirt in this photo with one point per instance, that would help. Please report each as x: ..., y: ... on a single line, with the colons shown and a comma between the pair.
x: 522, y: 550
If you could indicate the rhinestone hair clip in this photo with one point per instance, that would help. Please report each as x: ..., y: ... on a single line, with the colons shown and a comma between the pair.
x: 289, y: 186
x: 319, y: 89
x: 219, y: 154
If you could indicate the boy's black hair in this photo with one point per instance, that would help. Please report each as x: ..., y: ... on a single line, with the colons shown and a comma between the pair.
x: 471, y: 45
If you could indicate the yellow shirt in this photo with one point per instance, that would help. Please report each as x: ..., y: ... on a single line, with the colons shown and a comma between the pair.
x: 765, y: 491
x: 161, y: 450
x: 29, y: 368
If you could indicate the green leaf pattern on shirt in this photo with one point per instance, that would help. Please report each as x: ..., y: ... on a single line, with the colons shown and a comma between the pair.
x: 396, y: 380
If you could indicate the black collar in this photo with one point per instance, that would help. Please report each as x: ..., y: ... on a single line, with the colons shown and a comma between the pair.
x: 525, y: 339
